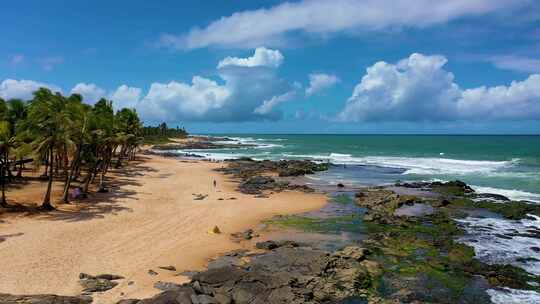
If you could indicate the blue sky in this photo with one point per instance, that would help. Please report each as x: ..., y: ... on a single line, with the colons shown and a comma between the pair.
x: 352, y: 66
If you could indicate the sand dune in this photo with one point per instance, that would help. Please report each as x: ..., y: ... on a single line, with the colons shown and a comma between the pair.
x: 149, y: 220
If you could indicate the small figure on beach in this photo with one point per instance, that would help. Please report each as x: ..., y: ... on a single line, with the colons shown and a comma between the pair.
x: 215, y: 183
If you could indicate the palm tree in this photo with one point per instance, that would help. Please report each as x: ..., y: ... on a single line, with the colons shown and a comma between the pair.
x: 16, y: 114
x: 50, y: 124
x: 78, y: 113
x: 5, y: 142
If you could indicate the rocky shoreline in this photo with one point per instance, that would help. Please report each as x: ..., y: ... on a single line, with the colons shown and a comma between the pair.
x: 201, y: 143
x: 410, y: 253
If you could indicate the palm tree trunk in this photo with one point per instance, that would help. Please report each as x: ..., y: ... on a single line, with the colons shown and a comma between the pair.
x: 47, y: 200
x: 69, y: 177
x: 3, y: 202
x: 89, y: 179
x: 6, y: 160
x: 119, y: 160
x: 46, y: 164
x: 19, y: 172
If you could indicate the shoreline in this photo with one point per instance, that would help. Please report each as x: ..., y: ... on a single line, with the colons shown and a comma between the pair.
x: 147, y: 223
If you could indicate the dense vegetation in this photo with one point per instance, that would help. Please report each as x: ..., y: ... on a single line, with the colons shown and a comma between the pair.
x: 72, y: 140
x: 161, y: 133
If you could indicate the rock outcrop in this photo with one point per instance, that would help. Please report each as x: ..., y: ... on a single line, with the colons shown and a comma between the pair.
x: 286, y: 274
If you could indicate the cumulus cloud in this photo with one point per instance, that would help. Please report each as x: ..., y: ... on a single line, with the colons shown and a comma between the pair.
x: 519, y: 100
x: 126, y: 97
x: 177, y: 101
x: 262, y: 57
x: 90, y: 92
x: 268, y: 105
x: 319, y: 82
x: 244, y: 86
x: 516, y: 63
x: 22, y: 89
x: 419, y: 88
x: 246, y: 89
x: 270, y: 26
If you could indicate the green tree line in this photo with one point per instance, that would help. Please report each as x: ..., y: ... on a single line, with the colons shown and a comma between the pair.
x: 72, y: 140
x: 161, y: 134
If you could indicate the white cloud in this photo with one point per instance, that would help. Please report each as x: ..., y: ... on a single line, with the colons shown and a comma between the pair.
x: 126, y: 97
x: 268, y: 105
x: 319, y: 82
x: 247, y: 84
x: 90, y: 92
x: 248, y: 89
x: 419, y: 89
x: 519, y: 100
x: 22, y: 89
x: 262, y: 57
x: 272, y: 25
x: 516, y: 63
x: 178, y: 101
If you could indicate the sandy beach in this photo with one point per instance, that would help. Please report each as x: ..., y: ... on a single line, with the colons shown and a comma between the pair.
x: 149, y: 219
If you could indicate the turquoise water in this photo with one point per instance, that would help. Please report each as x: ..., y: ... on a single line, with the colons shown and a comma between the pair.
x: 509, y: 165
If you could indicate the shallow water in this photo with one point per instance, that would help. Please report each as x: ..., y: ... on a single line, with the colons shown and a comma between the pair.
x: 336, y: 225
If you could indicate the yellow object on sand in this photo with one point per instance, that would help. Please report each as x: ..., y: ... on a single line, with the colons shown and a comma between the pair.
x: 215, y: 230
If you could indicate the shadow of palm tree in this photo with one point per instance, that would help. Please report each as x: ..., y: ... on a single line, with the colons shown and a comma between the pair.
x: 97, y: 205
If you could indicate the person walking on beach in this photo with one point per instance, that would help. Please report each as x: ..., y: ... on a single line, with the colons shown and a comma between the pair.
x: 215, y: 183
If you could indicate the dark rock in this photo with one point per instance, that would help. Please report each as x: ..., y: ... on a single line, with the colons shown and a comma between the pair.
x: 246, y: 235
x: 110, y: 277
x: 223, y: 298
x: 43, y: 299
x: 287, y: 274
x: 535, y: 249
x: 182, y: 296
x: 167, y: 286
x: 497, y: 197
x: 246, y: 168
x: 170, y: 268
x: 128, y: 301
x: 257, y: 184
x: 97, y: 285
x: 340, y: 185
x: 269, y: 245
x: 203, y: 299
x: 152, y: 272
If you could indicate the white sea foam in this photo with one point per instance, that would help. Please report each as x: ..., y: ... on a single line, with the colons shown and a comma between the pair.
x: 418, y: 165
x: 257, y: 143
x: 502, y: 241
x: 513, y: 296
x: 516, y: 195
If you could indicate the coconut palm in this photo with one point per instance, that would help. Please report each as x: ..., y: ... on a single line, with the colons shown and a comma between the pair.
x: 6, y: 142
x: 50, y: 125
x: 79, y: 114
x: 16, y: 115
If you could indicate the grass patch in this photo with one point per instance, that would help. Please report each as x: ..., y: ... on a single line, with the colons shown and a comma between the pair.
x: 350, y: 223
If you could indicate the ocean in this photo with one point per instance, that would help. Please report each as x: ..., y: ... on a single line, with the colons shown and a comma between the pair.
x: 507, y: 165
